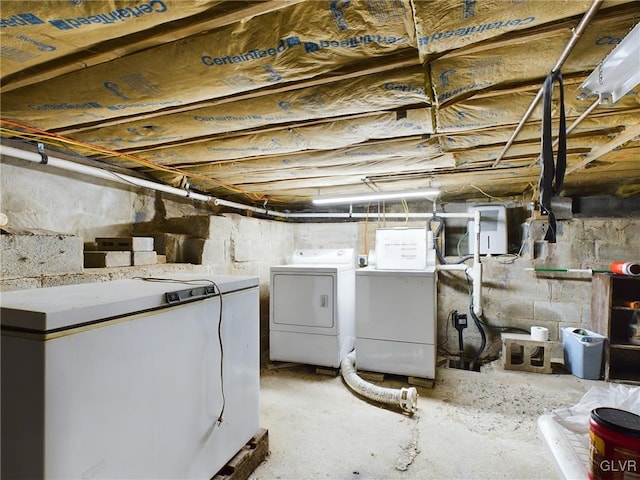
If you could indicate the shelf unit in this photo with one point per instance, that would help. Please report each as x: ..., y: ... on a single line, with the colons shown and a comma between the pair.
x: 613, y: 310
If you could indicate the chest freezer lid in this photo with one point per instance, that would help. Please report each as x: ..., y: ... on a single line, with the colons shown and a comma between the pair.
x: 45, y: 309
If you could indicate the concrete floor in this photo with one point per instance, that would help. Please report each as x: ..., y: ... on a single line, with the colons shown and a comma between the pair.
x: 469, y: 426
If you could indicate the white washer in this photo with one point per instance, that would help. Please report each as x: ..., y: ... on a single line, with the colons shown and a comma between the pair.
x: 396, y: 321
x: 312, y: 307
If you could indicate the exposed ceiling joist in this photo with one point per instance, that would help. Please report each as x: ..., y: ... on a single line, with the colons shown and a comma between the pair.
x: 281, y: 100
x: 627, y: 135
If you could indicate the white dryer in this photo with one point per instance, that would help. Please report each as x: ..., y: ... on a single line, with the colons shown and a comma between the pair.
x: 312, y: 307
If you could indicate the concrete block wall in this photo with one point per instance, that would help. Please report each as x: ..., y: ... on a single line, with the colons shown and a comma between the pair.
x: 40, y: 197
x: 323, y: 235
x: 53, y: 213
x: 514, y: 296
x: 34, y: 198
x: 98, y: 275
x: 30, y: 253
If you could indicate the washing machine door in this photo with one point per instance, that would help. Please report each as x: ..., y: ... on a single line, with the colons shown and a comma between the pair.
x: 303, y: 303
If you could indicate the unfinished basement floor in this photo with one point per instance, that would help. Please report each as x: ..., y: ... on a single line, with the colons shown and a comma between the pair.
x: 471, y: 425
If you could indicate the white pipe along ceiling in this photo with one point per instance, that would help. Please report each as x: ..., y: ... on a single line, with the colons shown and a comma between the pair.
x: 264, y: 105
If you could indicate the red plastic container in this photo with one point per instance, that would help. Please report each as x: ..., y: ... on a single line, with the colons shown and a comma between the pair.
x: 615, y: 444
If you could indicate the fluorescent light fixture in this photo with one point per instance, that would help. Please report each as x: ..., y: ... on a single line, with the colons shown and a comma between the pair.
x: 618, y: 73
x: 369, y: 197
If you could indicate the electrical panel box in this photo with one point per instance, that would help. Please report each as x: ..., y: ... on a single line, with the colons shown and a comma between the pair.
x: 493, y: 229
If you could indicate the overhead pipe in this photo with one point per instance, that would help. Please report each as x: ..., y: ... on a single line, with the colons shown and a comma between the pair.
x: 241, y: 206
x: 577, y: 33
x: 45, y: 159
x: 365, y: 215
x: 42, y: 158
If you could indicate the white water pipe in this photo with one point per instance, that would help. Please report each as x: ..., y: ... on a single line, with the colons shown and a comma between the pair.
x: 56, y: 162
x: 127, y: 179
x: 474, y: 272
x: 240, y: 206
x: 405, y: 398
x: 42, y: 158
x: 365, y: 215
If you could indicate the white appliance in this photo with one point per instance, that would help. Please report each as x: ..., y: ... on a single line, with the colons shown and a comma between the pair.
x: 493, y: 229
x: 312, y: 307
x: 396, y: 321
x: 127, y: 379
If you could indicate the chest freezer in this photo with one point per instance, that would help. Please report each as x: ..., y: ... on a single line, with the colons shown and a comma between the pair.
x: 130, y: 378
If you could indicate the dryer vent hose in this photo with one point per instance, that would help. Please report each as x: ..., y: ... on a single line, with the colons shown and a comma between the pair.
x: 405, y: 398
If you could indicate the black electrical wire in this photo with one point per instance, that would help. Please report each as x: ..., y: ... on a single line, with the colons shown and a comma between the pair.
x: 480, y: 323
x: 224, y: 399
x: 503, y: 327
x: 442, y: 345
x: 552, y: 169
x: 436, y: 235
x: 461, y: 349
x: 220, y: 342
x: 483, y: 336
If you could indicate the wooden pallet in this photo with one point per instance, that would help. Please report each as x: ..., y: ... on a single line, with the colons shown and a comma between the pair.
x: 381, y: 377
x: 247, y: 459
x: 329, y: 371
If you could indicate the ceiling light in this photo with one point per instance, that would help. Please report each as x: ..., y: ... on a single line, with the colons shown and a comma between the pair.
x: 369, y: 197
x: 618, y: 73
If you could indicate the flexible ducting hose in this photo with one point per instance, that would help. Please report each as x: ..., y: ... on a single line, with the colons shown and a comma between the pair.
x: 405, y: 398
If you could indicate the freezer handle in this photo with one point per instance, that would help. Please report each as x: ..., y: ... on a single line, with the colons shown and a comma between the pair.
x: 190, y: 294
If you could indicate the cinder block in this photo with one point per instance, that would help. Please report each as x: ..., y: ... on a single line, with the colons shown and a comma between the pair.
x: 245, y: 250
x: 520, y: 352
x: 201, y: 226
x: 107, y: 259
x: 171, y: 245
x: 144, y: 258
x: 132, y: 244
x: 194, y: 251
x: 31, y: 254
x: 202, y: 251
